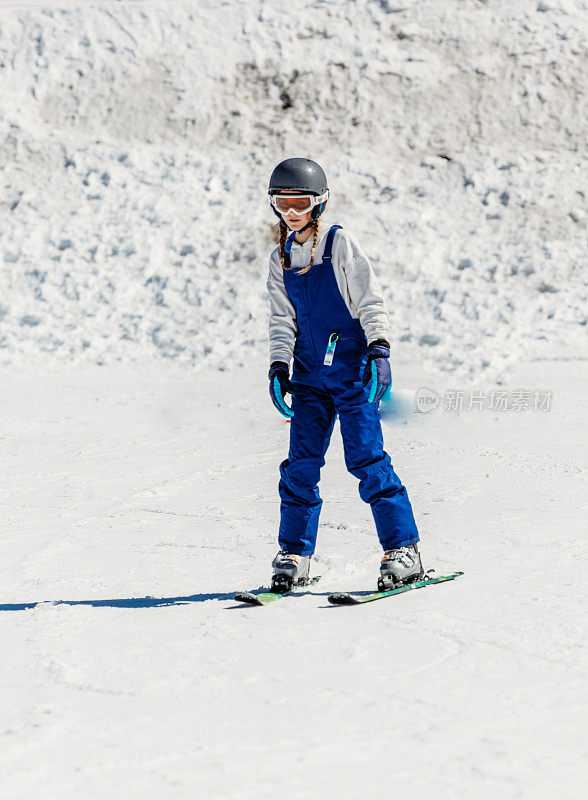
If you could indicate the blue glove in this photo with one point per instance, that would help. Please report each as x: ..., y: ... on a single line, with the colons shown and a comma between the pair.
x: 279, y: 378
x: 377, y: 370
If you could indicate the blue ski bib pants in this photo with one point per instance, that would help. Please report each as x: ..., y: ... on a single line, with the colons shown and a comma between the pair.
x: 321, y: 393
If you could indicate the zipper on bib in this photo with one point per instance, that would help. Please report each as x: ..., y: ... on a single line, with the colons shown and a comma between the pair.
x: 308, y: 312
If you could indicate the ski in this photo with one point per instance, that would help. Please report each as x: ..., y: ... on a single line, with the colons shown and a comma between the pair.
x: 265, y: 598
x: 346, y: 599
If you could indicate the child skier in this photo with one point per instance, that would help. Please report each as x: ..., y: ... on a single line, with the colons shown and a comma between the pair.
x: 327, y: 312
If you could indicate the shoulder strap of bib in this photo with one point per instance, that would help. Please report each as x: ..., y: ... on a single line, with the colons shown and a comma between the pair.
x: 288, y: 249
x: 327, y: 255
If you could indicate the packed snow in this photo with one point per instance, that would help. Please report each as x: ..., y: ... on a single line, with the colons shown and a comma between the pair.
x: 139, y: 448
x: 141, y: 501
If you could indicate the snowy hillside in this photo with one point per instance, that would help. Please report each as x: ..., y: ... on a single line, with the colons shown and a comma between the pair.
x: 136, y: 140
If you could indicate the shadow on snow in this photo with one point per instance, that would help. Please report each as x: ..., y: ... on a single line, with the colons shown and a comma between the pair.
x: 147, y: 602
x: 128, y: 602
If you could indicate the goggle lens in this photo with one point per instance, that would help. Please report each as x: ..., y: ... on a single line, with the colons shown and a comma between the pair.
x: 300, y: 203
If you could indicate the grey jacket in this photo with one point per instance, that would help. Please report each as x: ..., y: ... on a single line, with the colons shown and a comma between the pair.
x: 357, y: 282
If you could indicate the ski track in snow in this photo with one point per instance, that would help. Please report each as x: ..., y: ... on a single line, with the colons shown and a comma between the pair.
x: 132, y: 672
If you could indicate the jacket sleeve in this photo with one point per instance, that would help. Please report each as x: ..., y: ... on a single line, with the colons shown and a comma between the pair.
x: 282, y: 321
x: 360, y: 287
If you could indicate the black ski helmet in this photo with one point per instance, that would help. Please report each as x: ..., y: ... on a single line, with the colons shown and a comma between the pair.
x: 299, y: 175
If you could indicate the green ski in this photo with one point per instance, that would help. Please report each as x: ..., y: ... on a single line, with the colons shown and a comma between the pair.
x: 265, y: 598
x: 346, y: 599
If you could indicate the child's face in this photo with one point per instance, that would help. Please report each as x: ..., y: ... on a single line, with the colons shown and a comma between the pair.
x: 294, y: 222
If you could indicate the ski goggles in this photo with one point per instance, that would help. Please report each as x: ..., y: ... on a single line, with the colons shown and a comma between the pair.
x: 298, y: 204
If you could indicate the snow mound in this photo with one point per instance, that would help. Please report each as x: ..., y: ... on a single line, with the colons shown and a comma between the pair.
x: 136, y: 140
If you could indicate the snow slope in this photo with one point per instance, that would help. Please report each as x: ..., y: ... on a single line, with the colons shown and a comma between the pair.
x: 139, y: 451
x: 136, y: 140
x: 141, y: 500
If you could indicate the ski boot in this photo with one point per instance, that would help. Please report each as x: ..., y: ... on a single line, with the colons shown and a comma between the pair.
x: 289, y: 570
x: 399, y: 566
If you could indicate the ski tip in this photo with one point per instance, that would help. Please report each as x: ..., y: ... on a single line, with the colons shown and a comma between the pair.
x: 246, y: 597
x: 342, y: 599
x: 256, y: 599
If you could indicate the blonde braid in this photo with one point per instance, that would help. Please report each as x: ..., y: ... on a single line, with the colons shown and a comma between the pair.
x: 314, y: 241
x: 283, y: 237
